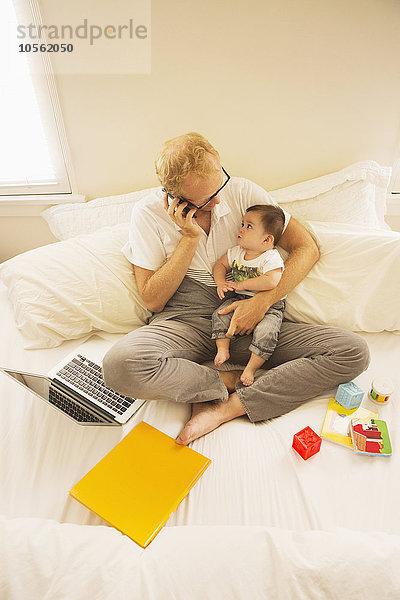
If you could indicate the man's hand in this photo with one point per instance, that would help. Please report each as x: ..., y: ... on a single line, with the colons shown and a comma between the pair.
x: 188, y: 225
x: 247, y: 314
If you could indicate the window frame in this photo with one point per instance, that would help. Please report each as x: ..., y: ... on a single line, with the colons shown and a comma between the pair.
x: 393, y: 194
x: 49, y: 106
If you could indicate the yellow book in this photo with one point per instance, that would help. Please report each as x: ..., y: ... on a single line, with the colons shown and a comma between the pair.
x: 337, y: 421
x: 137, y: 485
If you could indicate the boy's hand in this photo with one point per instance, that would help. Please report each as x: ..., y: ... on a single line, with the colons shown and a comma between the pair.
x: 237, y: 285
x: 226, y: 286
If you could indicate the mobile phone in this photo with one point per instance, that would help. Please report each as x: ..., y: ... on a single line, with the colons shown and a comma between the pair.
x: 185, y: 210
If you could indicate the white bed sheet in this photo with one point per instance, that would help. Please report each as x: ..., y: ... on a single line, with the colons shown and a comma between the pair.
x: 255, y: 478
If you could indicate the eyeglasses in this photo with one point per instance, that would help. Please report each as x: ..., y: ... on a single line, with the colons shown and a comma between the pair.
x: 205, y: 203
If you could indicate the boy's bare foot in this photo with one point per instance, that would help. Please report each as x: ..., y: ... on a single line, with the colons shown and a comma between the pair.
x: 222, y: 351
x: 247, y: 377
x: 207, y: 416
x: 221, y: 356
x: 254, y: 363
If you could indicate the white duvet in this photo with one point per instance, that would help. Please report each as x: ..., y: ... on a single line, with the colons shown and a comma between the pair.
x: 260, y: 523
x: 49, y: 561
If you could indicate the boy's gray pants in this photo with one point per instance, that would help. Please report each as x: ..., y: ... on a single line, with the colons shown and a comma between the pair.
x: 265, y: 333
x: 162, y: 360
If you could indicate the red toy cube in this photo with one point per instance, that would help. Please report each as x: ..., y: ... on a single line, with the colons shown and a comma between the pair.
x: 306, y: 442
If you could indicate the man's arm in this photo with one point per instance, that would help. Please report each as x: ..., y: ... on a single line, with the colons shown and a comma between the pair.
x: 303, y: 254
x: 157, y: 287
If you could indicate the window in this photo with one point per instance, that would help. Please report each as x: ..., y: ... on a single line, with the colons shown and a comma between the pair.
x: 395, y: 181
x: 393, y: 196
x: 34, y: 157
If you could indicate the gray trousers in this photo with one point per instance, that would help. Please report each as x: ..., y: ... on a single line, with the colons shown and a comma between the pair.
x: 162, y: 360
x: 265, y: 333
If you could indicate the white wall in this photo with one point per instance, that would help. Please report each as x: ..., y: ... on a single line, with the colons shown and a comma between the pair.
x: 286, y: 90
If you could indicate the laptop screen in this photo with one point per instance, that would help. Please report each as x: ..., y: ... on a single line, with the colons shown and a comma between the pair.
x: 50, y: 392
x: 36, y: 383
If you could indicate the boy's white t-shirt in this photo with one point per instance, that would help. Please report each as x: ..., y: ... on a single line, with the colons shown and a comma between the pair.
x: 247, y: 269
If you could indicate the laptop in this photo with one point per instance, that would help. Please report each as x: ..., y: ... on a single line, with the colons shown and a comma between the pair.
x: 75, y: 387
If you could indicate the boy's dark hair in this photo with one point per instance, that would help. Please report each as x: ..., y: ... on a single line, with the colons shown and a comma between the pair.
x: 272, y: 218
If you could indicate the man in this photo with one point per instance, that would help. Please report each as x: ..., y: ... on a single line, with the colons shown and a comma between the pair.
x: 175, y: 239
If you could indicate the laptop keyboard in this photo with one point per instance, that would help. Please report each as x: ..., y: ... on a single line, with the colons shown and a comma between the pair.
x: 74, y: 410
x: 86, y: 377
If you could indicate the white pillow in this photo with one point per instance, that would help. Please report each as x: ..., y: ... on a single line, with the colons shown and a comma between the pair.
x: 68, y: 289
x: 356, y: 282
x: 356, y: 194
x: 69, y: 220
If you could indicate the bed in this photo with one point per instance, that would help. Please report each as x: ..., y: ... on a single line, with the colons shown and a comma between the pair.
x: 261, y: 522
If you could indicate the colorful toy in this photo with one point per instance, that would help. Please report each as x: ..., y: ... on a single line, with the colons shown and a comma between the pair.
x: 381, y: 388
x: 306, y: 442
x: 371, y: 437
x: 349, y: 395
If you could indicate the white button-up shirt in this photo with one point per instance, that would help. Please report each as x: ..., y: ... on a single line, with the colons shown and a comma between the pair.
x: 153, y: 236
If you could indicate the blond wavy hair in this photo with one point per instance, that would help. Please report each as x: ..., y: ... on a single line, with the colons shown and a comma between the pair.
x: 187, y: 153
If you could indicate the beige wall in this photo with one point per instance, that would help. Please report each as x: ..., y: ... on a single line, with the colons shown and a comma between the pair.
x: 286, y: 90
x: 393, y: 222
x: 18, y: 234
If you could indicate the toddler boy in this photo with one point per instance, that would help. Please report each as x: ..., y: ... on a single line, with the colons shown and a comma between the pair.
x: 256, y: 266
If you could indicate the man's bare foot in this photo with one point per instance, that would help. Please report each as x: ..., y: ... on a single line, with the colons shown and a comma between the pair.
x: 207, y: 416
x: 221, y: 357
x: 247, y: 377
